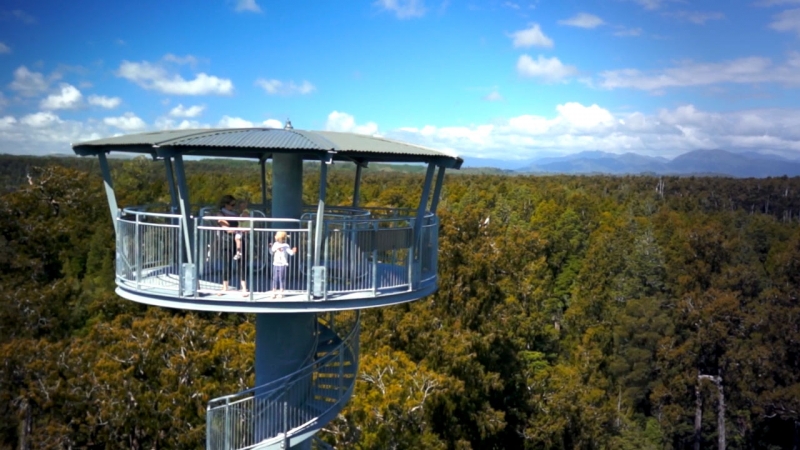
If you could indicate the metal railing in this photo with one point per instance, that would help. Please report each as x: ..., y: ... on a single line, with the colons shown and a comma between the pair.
x: 290, y: 406
x: 362, y: 251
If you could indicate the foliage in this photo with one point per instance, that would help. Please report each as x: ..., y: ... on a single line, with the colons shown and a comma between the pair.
x: 572, y: 312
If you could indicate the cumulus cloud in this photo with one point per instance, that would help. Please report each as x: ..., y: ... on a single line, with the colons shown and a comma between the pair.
x: 531, y: 37
x: 247, y: 6
x: 341, y: 121
x: 188, y: 59
x: 27, y: 83
x: 192, y: 111
x: 40, y: 119
x: 575, y: 127
x: 403, y: 9
x: 272, y: 123
x: 696, y: 17
x: 546, y: 69
x: 689, y: 73
x: 19, y: 15
x: 104, y: 102
x: 493, y: 96
x: 627, y: 32
x: 3, y: 101
x: 126, y: 122
x: 68, y: 98
x: 155, y: 77
x: 4, y: 48
x: 777, y: 2
x: 788, y: 21
x: 277, y: 87
x: 234, y: 122
x: 583, y: 20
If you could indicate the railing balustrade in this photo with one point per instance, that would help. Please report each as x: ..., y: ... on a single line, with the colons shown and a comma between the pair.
x: 290, y: 405
x: 363, y: 251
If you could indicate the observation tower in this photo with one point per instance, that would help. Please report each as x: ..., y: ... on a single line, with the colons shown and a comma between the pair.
x: 348, y: 258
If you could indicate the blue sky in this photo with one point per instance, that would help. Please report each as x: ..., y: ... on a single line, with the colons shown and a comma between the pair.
x: 501, y: 79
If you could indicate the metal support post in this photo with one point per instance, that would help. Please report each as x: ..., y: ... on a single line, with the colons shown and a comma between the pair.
x: 183, y: 200
x: 109, y: 186
x: 437, y: 191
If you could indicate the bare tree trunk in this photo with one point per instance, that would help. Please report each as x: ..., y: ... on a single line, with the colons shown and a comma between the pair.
x: 698, y: 415
x: 25, y: 426
x: 717, y: 380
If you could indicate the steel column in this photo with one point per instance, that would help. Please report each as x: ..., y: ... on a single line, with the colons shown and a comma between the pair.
x: 109, y: 186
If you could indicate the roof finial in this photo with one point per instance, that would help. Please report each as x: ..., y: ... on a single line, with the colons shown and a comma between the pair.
x: 288, y: 125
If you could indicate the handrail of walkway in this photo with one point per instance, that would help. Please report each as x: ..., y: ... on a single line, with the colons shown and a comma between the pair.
x: 292, y: 405
x: 365, y: 254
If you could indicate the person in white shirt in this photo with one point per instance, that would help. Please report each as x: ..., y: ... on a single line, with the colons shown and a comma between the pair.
x: 280, y: 249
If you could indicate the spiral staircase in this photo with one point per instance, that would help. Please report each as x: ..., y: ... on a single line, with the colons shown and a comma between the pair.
x: 291, y: 410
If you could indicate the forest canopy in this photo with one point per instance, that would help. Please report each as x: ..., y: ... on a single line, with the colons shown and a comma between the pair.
x: 572, y: 312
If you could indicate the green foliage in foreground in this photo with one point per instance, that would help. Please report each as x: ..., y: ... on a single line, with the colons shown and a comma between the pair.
x: 573, y: 312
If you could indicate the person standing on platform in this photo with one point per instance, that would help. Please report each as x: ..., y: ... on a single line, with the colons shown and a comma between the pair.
x: 228, y: 244
x: 280, y: 262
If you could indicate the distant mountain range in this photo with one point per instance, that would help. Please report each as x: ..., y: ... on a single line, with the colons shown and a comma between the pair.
x: 698, y: 162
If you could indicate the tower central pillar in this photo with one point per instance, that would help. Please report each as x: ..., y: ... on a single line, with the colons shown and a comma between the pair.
x: 285, y: 342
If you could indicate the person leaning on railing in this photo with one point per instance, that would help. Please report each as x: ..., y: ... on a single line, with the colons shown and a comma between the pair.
x: 228, y: 244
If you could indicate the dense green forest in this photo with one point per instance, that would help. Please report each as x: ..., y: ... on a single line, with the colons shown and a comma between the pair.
x: 572, y: 312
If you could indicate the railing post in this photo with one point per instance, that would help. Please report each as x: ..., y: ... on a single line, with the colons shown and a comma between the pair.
x: 375, y: 260
x: 138, y: 253
x: 250, y: 256
x: 310, y: 262
x: 228, y: 430
x: 285, y: 424
x: 195, y: 249
x: 411, y: 261
x: 181, y: 276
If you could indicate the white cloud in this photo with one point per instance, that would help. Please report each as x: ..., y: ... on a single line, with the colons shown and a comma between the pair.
x: 126, y: 122
x: 777, y: 2
x: 493, y: 96
x: 650, y: 4
x: 3, y: 101
x: 7, y: 122
x: 575, y: 127
x: 40, y: 119
x: 272, y: 123
x: 247, y: 5
x: 104, y: 102
x: 743, y: 70
x: 627, y: 32
x: 695, y: 17
x: 403, y: 9
x: 277, y: 87
x: 583, y: 20
x: 788, y: 20
x: 547, y: 69
x: 20, y: 15
x: 188, y: 59
x: 69, y: 98
x: 234, y: 122
x: 155, y: 77
x: 192, y: 111
x: 4, y: 48
x: 27, y: 83
x: 530, y: 37
x: 341, y: 121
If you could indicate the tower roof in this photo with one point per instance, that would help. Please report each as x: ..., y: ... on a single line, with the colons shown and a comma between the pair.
x: 262, y: 143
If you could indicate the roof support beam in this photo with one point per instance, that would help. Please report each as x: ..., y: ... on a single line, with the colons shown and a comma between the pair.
x: 357, y: 187
x: 186, y: 208
x: 437, y: 191
x: 173, y: 193
x: 109, y: 187
x: 423, y: 203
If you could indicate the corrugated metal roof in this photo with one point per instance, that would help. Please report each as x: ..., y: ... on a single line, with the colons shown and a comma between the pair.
x: 263, y: 142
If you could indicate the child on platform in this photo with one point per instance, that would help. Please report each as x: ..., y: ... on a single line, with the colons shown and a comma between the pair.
x: 280, y: 263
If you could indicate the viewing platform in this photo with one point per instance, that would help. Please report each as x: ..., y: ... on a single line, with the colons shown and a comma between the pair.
x: 367, y: 258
